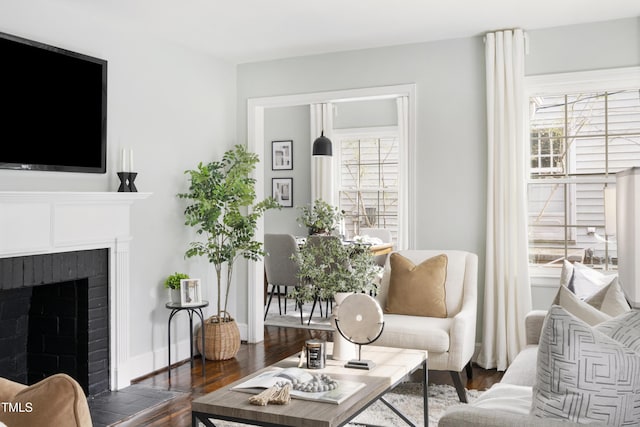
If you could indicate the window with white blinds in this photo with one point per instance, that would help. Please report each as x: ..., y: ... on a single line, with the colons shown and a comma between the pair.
x: 578, y: 141
x: 368, y: 181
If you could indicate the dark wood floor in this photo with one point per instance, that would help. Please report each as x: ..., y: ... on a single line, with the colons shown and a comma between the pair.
x: 278, y: 344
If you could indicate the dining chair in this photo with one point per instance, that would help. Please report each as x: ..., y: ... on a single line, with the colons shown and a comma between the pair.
x: 280, y: 266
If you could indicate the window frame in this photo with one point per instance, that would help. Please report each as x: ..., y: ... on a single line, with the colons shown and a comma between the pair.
x: 562, y: 83
x: 372, y: 132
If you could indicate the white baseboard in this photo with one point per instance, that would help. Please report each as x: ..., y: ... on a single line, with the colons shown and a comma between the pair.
x: 244, y: 331
x: 144, y: 364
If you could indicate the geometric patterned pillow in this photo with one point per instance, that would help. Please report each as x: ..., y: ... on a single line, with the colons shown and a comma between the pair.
x: 625, y: 329
x: 583, y: 375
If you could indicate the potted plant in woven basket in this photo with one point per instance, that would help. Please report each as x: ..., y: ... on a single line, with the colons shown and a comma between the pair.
x: 223, y: 211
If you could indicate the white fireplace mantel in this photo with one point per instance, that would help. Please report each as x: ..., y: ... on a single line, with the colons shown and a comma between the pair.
x: 33, y: 223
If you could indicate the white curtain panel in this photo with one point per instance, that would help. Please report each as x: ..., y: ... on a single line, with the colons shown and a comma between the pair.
x: 322, y: 179
x: 507, y: 296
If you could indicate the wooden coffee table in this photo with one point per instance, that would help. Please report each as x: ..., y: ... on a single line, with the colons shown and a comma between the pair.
x: 393, y: 365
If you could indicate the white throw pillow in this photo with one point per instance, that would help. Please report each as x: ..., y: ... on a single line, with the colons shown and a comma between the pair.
x: 610, y: 300
x: 567, y: 273
x: 581, y: 309
x: 606, y: 302
x: 586, y: 281
x: 583, y: 375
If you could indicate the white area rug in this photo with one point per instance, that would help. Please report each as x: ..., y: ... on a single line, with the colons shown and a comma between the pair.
x: 407, y: 398
x: 292, y: 318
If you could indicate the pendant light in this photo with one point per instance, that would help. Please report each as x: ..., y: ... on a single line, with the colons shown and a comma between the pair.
x: 322, y: 146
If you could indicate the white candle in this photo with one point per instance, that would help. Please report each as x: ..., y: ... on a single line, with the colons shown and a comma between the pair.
x: 131, y: 169
x: 124, y: 160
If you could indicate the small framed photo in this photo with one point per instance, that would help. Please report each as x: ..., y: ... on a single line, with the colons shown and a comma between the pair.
x: 190, y: 292
x: 281, y: 155
x: 282, y: 191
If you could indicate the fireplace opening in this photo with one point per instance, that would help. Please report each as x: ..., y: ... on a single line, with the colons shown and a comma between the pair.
x: 58, y: 332
x: 54, y: 318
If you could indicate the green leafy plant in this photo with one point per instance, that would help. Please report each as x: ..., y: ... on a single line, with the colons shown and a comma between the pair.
x: 321, y: 218
x: 327, y: 267
x: 173, y: 281
x: 223, y: 211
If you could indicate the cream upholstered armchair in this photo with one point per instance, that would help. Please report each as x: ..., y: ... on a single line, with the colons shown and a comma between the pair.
x: 450, y: 340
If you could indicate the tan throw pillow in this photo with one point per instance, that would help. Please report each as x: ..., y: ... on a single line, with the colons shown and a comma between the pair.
x: 417, y: 290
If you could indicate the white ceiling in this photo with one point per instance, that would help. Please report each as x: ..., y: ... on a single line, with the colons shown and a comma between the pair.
x: 242, y: 31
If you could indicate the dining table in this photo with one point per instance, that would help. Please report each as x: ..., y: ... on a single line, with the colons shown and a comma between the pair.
x: 375, y: 248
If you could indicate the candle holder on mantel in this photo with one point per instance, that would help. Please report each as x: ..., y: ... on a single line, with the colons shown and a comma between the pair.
x: 127, y: 182
x: 132, y: 186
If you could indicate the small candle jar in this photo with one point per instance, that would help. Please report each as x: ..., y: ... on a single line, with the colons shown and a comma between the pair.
x: 316, y: 354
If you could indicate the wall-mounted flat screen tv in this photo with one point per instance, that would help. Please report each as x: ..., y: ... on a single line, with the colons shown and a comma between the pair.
x: 53, y: 108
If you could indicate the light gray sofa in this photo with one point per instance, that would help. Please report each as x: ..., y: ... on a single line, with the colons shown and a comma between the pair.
x: 508, y: 403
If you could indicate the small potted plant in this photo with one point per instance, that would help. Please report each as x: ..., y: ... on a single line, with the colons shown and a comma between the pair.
x: 321, y: 218
x: 173, y: 284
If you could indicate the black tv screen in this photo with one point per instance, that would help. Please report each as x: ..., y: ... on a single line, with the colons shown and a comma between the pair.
x: 53, y: 108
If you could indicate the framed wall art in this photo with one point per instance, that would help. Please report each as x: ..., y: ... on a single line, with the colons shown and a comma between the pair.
x: 281, y: 155
x: 282, y: 191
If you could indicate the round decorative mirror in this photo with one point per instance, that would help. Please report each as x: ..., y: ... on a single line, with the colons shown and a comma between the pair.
x: 359, y: 320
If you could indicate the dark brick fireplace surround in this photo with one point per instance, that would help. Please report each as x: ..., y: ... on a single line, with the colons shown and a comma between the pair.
x: 54, y: 317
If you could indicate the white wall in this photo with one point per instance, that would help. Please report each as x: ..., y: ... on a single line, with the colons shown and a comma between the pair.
x: 450, y: 155
x: 293, y: 123
x: 362, y: 114
x: 174, y: 107
x: 288, y: 123
x: 451, y: 131
x: 600, y: 45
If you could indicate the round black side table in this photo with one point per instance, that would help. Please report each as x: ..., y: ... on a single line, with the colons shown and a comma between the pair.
x: 176, y: 308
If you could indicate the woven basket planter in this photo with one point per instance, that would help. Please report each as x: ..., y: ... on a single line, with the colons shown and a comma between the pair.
x: 221, y: 339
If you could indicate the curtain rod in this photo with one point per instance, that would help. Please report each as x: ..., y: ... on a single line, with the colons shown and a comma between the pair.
x: 525, y: 37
